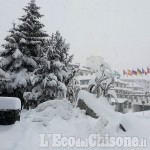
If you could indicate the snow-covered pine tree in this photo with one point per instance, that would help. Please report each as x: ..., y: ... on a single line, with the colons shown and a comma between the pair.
x: 21, y: 50
x: 58, y: 55
x: 13, y: 64
x: 50, y: 78
x: 31, y: 28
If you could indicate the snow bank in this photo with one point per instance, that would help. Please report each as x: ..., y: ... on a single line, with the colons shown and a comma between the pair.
x: 100, y: 106
x: 10, y: 103
x: 100, y: 125
x: 53, y: 108
x: 59, y: 116
x: 136, y: 124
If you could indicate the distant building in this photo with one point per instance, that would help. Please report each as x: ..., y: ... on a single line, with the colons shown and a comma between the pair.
x: 84, y: 71
x: 76, y: 65
x: 94, y: 62
x: 84, y: 81
x: 130, y: 95
x: 142, y: 82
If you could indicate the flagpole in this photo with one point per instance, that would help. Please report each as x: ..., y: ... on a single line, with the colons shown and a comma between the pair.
x: 143, y: 73
x: 148, y: 73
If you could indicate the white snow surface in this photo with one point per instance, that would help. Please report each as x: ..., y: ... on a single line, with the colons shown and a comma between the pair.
x: 97, y: 104
x: 20, y: 79
x: 17, y: 54
x: 2, y: 73
x: 59, y: 116
x: 29, y: 61
x: 10, y: 103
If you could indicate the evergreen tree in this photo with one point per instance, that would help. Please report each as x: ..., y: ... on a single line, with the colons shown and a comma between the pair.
x: 50, y: 78
x: 20, y: 54
x: 58, y: 53
x: 31, y: 28
x: 37, y: 68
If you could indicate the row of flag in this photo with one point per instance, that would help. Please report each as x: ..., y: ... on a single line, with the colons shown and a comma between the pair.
x: 136, y: 72
x: 129, y: 72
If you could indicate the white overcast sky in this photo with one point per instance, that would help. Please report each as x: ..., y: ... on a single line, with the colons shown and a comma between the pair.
x: 118, y: 30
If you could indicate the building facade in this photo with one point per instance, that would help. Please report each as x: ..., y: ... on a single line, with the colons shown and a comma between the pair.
x: 131, y: 96
x: 142, y: 82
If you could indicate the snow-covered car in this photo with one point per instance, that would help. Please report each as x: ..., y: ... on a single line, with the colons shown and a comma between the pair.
x: 10, y: 108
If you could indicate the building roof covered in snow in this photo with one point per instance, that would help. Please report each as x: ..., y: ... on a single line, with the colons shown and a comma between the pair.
x: 120, y: 81
x: 134, y: 85
x: 84, y: 77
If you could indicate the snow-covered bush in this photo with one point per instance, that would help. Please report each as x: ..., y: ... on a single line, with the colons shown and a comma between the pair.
x: 50, y: 109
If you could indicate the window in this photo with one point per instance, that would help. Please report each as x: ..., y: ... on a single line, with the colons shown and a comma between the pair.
x: 125, y: 105
x: 84, y: 82
x: 129, y: 104
x: 81, y: 73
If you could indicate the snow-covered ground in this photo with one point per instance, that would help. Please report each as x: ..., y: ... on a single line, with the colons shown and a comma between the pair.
x: 59, y: 117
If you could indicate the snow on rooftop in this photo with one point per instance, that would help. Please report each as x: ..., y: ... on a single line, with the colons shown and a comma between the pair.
x: 85, y: 69
x: 10, y: 103
x: 120, y: 81
x: 139, y: 91
x: 122, y: 100
x: 123, y: 89
x: 84, y: 77
x: 134, y: 85
x: 119, y: 100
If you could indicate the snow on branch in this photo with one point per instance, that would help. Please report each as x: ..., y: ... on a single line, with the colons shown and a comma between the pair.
x: 17, y: 54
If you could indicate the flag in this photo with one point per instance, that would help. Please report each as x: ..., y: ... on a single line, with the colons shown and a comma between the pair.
x: 134, y: 72
x: 117, y: 74
x: 148, y: 70
x: 124, y: 72
x: 143, y: 71
x: 129, y: 72
x: 139, y: 72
